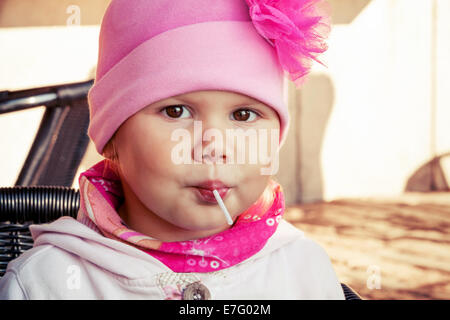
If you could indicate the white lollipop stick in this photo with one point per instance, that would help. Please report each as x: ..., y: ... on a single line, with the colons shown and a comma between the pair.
x: 222, y: 206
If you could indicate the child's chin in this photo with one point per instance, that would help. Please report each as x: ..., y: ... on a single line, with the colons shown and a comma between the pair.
x: 197, y: 224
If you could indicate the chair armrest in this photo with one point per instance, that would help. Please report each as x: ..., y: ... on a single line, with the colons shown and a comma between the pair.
x: 349, y: 293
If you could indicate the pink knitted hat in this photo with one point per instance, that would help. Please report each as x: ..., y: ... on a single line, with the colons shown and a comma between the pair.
x: 150, y: 50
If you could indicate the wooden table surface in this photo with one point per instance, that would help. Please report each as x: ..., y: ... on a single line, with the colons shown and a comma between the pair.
x: 391, y: 248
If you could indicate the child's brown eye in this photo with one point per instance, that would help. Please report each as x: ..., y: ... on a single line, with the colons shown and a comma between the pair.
x: 175, y: 111
x: 244, y: 115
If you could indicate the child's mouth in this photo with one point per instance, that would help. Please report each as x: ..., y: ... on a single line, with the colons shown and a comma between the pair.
x: 208, y: 196
x: 204, y: 190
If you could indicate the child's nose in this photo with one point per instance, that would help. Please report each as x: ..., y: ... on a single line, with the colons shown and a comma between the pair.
x: 211, y: 152
x: 220, y: 158
x: 211, y: 143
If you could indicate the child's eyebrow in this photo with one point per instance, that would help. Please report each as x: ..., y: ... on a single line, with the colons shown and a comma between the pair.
x: 200, y: 102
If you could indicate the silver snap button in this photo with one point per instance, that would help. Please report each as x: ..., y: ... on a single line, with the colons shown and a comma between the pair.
x: 196, y: 291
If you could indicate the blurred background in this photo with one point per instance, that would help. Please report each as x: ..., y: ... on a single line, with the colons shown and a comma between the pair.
x: 366, y: 166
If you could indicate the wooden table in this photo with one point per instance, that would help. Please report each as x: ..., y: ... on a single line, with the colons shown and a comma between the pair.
x: 391, y: 248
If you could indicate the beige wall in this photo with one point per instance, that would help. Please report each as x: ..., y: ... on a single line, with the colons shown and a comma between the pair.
x: 362, y: 127
x: 34, y: 13
x: 381, y: 110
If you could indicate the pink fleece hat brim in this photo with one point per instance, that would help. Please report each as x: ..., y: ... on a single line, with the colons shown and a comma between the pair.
x: 218, y: 55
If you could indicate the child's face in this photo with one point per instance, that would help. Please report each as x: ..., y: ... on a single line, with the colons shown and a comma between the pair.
x: 164, y: 188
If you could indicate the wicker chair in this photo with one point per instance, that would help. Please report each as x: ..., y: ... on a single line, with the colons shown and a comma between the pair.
x: 43, y: 192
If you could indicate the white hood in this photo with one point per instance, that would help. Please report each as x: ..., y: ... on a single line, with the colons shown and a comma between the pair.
x: 72, y: 236
x: 290, y: 266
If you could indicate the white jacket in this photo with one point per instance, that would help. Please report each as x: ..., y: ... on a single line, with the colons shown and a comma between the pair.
x: 71, y: 261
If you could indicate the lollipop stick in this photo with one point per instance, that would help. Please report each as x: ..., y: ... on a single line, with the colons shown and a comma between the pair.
x: 222, y: 206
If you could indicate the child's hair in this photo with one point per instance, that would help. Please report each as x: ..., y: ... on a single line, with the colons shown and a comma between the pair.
x: 110, y: 151
x: 260, y: 206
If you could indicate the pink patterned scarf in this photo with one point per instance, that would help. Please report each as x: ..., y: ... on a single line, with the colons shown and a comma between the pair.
x: 101, y: 195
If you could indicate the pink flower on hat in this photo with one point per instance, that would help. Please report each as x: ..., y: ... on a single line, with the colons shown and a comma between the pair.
x: 296, y: 28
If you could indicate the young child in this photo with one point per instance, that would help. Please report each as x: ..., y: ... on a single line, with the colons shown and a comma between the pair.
x: 150, y: 227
